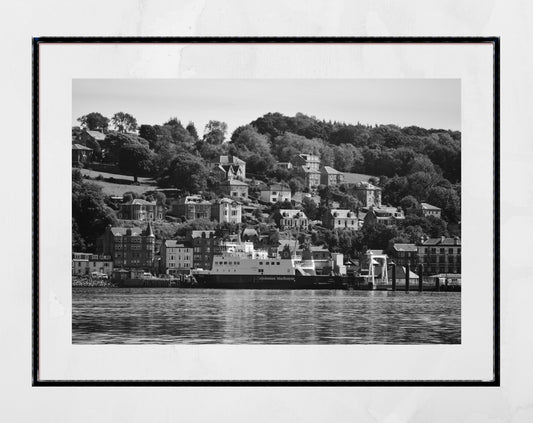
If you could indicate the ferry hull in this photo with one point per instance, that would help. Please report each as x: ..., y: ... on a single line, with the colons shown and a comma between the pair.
x: 273, y: 282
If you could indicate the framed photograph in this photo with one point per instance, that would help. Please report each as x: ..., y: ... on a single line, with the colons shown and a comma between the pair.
x: 266, y: 211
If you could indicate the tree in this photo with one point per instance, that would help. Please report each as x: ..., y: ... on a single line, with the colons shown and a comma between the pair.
x: 136, y: 159
x: 187, y: 172
x: 115, y: 142
x: 273, y: 238
x: 94, y: 121
x: 252, y: 147
x: 409, y: 204
x: 191, y: 129
x: 377, y: 236
x: 215, y: 132
x: 173, y: 121
x: 149, y: 133
x: 90, y: 215
x: 310, y: 208
x: 124, y: 122
x: 296, y: 184
x: 448, y: 200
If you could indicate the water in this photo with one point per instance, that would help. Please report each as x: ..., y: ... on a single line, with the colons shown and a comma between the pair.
x: 212, y: 316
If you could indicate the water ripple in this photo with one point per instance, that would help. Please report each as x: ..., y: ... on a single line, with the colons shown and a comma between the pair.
x: 195, y: 316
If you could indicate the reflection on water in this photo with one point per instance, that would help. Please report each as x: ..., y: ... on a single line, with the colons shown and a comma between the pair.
x: 163, y: 315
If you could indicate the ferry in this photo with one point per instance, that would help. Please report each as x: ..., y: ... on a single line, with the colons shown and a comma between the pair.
x: 252, y: 269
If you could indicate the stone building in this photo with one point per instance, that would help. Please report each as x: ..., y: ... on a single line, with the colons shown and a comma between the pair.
x: 226, y: 210
x: 440, y: 255
x: 176, y: 257
x: 204, y: 245
x: 230, y: 167
x: 233, y: 188
x: 368, y: 195
x: 404, y: 254
x: 388, y: 216
x: 192, y: 207
x: 275, y: 193
x: 330, y: 176
x: 429, y: 210
x: 84, y: 264
x: 288, y: 218
x: 340, y: 219
x: 306, y: 161
x: 129, y: 247
x: 311, y: 178
x: 142, y: 210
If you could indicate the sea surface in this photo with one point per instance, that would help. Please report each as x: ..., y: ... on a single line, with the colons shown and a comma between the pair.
x: 218, y: 316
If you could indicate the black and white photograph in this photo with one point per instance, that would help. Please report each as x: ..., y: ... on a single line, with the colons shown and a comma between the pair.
x: 261, y: 211
x: 304, y: 212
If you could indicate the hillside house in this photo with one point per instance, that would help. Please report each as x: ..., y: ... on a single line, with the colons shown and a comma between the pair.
x: 340, y: 219
x: 331, y: 177
x: 275, y: 193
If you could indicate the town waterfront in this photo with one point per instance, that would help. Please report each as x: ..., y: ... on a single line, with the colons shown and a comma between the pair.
x: 198, y: 316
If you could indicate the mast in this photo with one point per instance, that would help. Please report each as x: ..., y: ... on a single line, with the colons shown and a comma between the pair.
x: 295, y: 242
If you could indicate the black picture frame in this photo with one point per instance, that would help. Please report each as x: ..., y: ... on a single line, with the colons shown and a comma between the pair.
x: 38, y: 41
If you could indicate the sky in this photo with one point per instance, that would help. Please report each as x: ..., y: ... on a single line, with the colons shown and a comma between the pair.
x: 428, y: 103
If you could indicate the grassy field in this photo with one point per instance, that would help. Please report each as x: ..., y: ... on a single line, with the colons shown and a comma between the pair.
x: 353, y: 178
x: 117, y: 185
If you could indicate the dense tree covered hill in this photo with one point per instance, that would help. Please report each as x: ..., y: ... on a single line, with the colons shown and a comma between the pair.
x: 412, y: 161
x: 376, y: 150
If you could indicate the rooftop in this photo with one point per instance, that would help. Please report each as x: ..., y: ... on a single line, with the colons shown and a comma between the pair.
x: 141, y: 202
x: 198, y: 234
x: 405, y: 247
x: 193, y: 199
x: 308, y: 157
x: 173, y: 243
x: 135, y: 231
x: 226, y: 201
x: 444, y: 241
x: 291, y: 213
x: 426, y: 206
x: 97, y: 135
x: 330, y: 170
x: 81, y: 147
x: 342, y: 213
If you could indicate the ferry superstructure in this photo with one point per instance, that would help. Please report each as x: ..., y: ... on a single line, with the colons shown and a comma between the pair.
x: 247, y: 268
